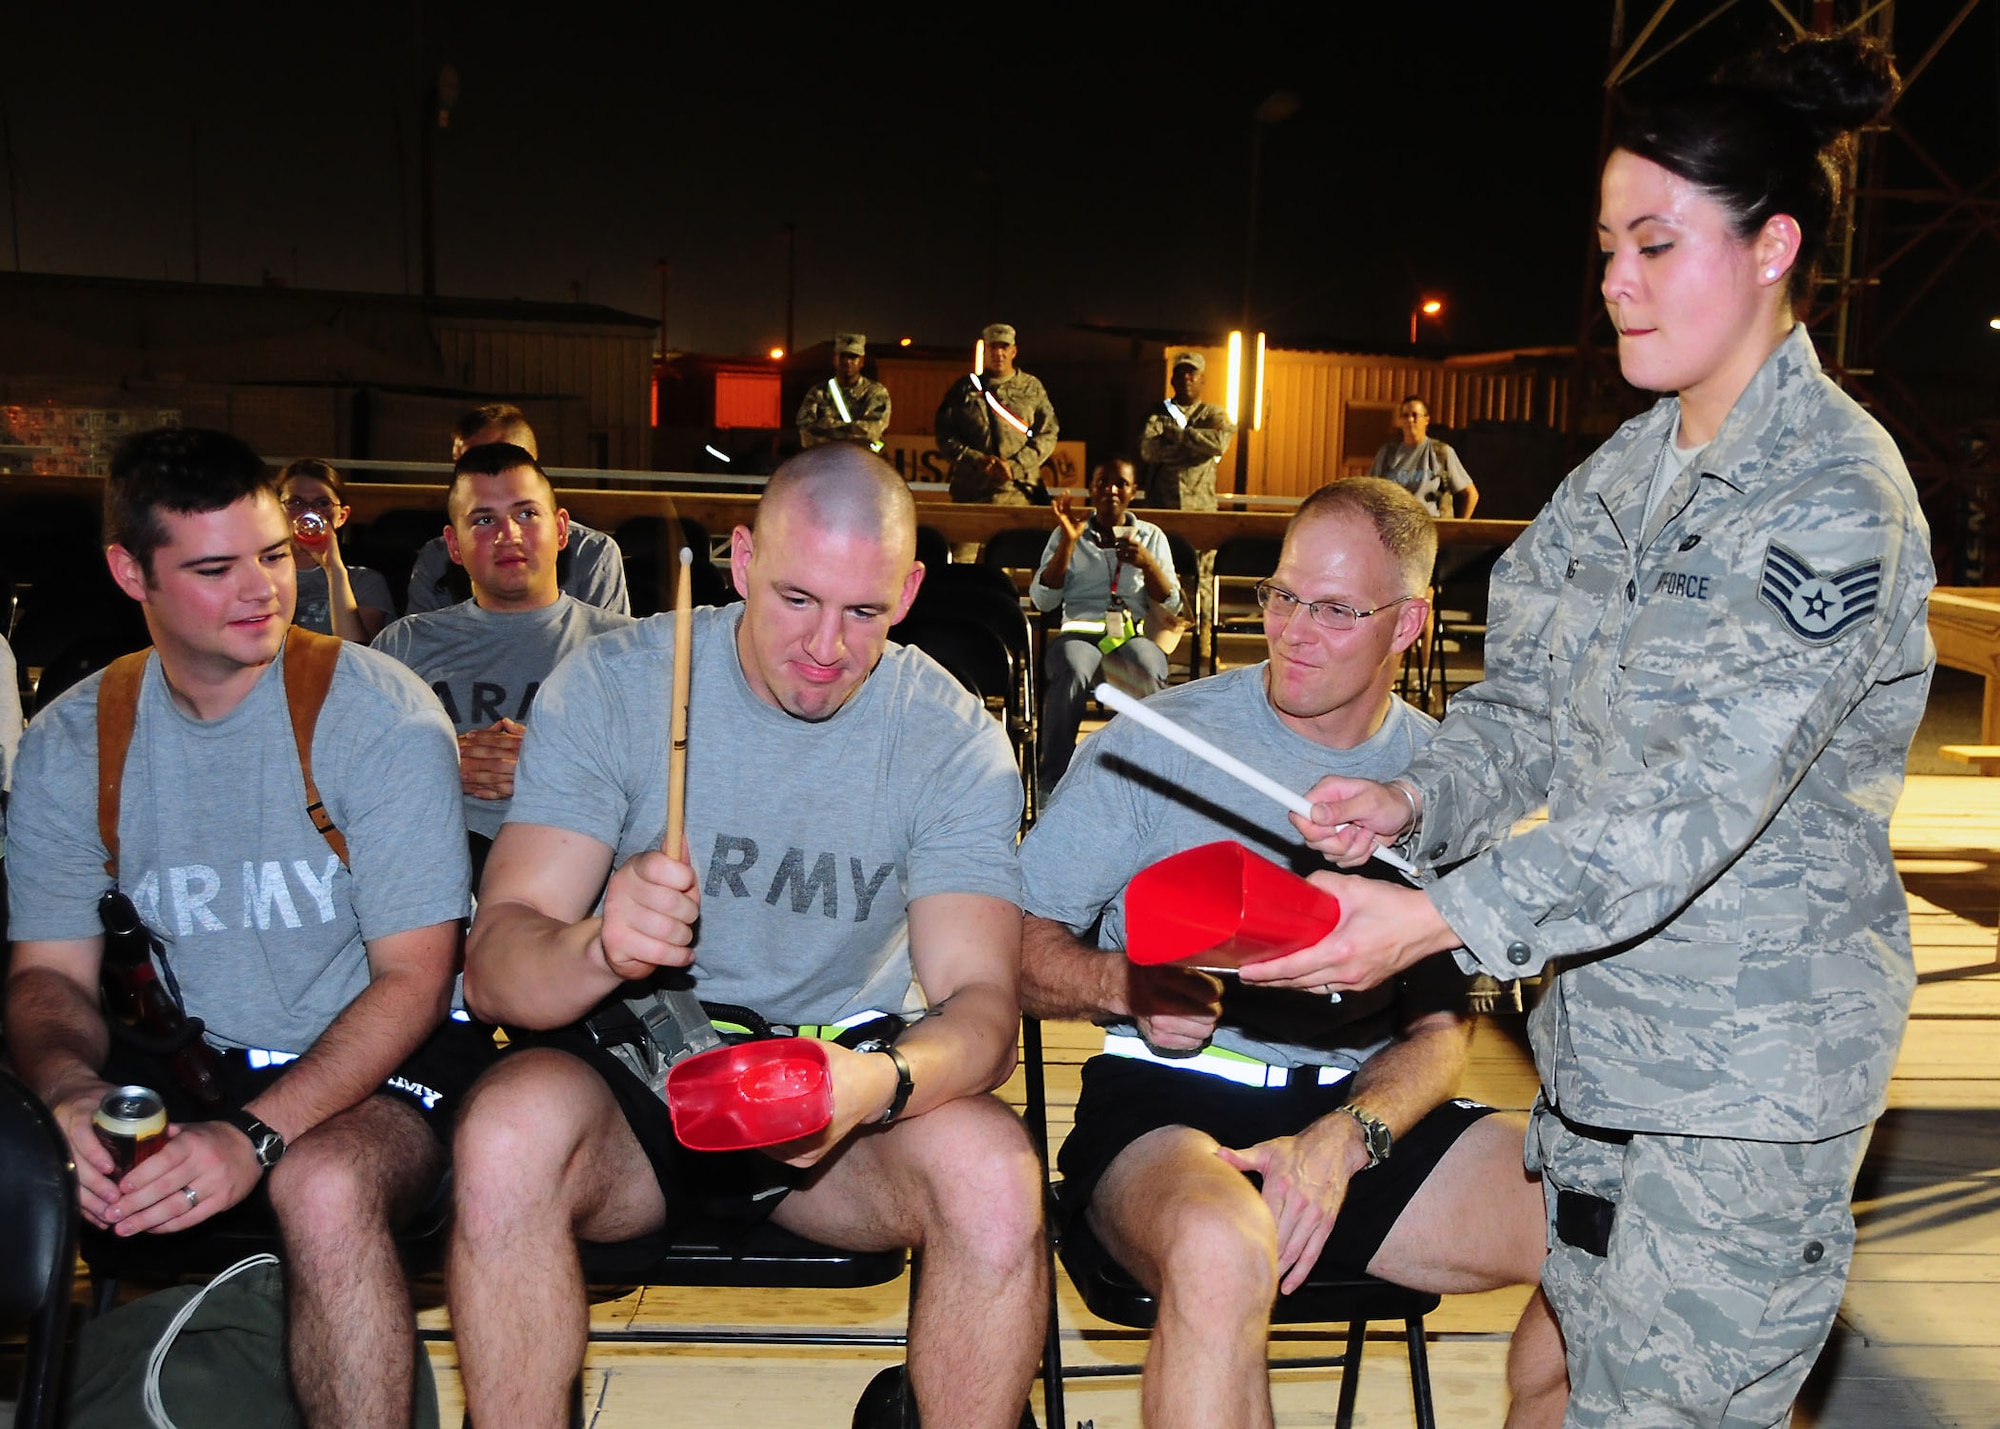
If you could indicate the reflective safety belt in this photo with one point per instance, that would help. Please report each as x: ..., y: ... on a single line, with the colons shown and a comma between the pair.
x: 1177, y: 414
x: 822, y: 1031
x: 994, y: 402
x: 1216, y: 1062
x: 840, y: 405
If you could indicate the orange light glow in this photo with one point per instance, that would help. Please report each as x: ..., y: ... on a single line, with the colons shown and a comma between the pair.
x: 1432, y: 307
x: 904, y: 342
x: 776, y: 353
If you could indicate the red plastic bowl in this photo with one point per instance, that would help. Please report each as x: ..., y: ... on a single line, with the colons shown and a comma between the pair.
x: 751, y: 1094
x: 1221, y: 906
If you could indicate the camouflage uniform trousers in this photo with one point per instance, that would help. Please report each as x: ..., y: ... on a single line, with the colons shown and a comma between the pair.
x: 1723, y: 1272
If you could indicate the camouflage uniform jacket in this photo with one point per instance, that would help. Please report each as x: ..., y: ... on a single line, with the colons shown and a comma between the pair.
x: 819, y: 420
x: 1716, y: 713
x: 966, y: 427
x: 1184, y: 458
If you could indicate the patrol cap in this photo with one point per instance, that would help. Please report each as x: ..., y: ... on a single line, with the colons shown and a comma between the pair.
x: 855, y: 343
x: 1191, y: 359
x: 999, y: 334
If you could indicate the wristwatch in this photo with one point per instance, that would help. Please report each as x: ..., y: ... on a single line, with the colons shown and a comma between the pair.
x: 904, y: 1085
x: 265, y: 1143
x: 1375, y: 1134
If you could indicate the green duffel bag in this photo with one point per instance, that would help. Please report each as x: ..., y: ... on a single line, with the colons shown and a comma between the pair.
x: 201, y: 1357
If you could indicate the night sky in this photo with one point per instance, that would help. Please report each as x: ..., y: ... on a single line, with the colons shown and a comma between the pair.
x: 1099, y: 164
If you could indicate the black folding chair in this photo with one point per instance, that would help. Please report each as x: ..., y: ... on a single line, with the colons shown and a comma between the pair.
x: 1240, y: 562
x: 38, y: 1200
x: 1112, y: 1294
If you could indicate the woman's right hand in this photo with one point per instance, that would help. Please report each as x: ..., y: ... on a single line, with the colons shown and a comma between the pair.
x: 1350, y: 817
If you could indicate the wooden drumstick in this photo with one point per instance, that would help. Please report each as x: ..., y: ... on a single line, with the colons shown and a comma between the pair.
x: 674, y: 844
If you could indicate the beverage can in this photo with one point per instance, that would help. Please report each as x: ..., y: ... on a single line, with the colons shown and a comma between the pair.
x: 131, y: 1124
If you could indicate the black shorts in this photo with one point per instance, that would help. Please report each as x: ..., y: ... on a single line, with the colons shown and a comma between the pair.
x: 1124, y: 1099
x: 736, y: 1187
x: 433, y: 1080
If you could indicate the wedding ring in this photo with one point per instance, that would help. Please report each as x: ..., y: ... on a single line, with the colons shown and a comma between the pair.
x: 188, y: 1191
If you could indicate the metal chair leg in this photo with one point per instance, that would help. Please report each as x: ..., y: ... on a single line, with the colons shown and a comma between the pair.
x: 1350, y: 1374
x: 1420, y: 1374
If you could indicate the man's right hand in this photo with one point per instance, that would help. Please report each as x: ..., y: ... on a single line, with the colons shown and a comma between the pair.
x: 73, y: 1109
x: 650, y: 908
x: 487, y: 759
x: 1176, y: 1009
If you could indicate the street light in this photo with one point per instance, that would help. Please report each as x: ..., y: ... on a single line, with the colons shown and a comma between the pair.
x: 1233, y: 401
x: 1257, y: 411
x: 1993, y: 323
x: 777, y: 354
x: 1429, y: 308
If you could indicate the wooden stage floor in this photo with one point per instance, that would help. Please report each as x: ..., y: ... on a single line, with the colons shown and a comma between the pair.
x: 1917, y: 1345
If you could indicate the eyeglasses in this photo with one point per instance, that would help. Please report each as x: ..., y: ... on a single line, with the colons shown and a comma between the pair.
x: 1326, y: 614
x: 296, y: 504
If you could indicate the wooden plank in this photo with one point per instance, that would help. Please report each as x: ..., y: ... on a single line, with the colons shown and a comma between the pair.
x: 1965, y: 625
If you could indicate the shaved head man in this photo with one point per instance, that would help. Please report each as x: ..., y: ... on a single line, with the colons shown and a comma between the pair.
x: 849, y: 861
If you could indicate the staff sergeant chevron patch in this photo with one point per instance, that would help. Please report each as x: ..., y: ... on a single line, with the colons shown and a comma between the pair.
x: 1816, y: 607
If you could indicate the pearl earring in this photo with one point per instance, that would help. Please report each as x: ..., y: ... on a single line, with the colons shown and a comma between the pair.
x: 1770, y: 274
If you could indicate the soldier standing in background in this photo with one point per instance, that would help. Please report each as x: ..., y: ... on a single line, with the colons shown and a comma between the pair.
x: 847, y: 407
x: 1183, y: 441
x: 997, y: 429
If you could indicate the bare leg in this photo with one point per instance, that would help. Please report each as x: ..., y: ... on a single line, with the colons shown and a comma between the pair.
x: 338, y: 1194
x: 961, y: 1183
x: 542, y: 1156
x: 1537, y: 1376
x: 1196, y: 1234
x: 1478, y: 1222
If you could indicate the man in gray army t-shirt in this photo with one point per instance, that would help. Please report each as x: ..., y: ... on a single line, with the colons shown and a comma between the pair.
x: 1344, y: 1111
x: 323, y: 975
x: 596, y: 568
x: 850, y: 824
x: 486, y: 657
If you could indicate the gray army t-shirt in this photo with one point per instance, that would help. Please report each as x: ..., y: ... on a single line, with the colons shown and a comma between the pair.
x: 596, y: 573
x: 811, y: 837
x: 315, y: 606
x: 1131, y: 798
x: 486, y: 664
x: 263, y: 925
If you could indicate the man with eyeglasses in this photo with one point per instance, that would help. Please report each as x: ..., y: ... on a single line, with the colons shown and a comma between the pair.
x: 1342, y: 1111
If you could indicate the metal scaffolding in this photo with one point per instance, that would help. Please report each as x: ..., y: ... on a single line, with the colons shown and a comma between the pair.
x: 1893, y: 237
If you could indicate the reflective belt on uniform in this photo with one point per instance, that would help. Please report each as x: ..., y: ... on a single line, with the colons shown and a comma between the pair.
x: 840, y: 403
x: 1217, y: 1062
x: 1176, y: 414
x: 1003, y: 413
x: 821, y: 1031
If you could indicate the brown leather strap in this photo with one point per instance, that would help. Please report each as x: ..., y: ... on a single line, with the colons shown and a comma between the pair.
x: 117, y: 712
x: 310, y: 660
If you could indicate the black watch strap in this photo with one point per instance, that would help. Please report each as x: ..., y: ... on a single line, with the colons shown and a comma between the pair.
x: 904, y: 1085
x: 265, y: 1142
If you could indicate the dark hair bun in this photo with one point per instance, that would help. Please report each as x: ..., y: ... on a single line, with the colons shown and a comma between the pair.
x: 1830, y: 83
